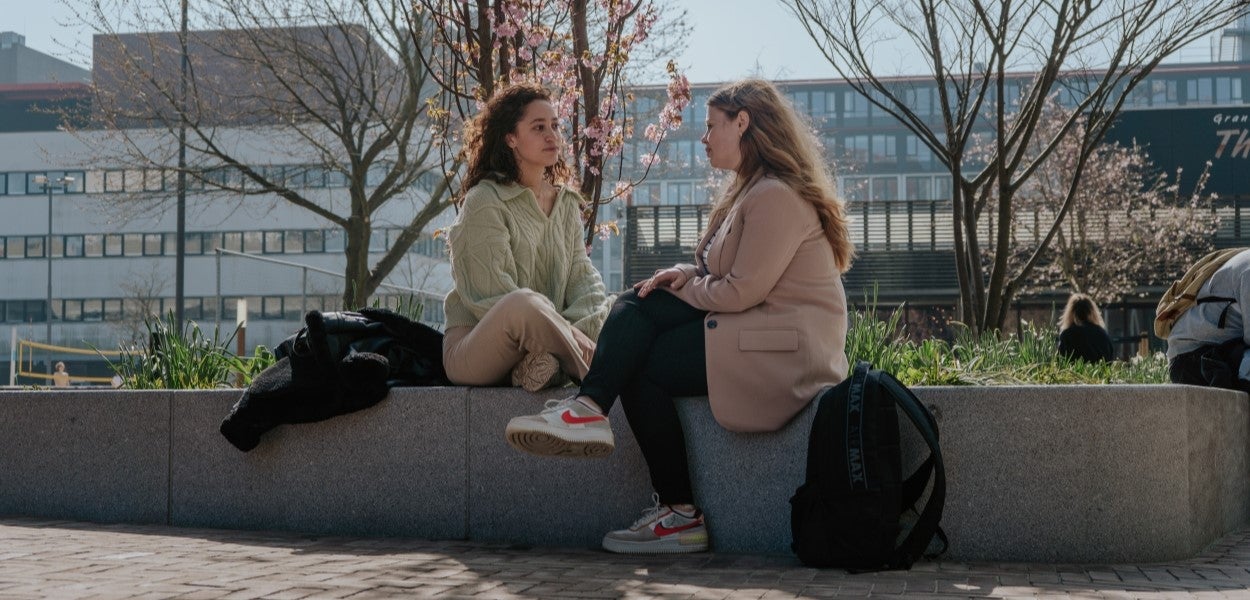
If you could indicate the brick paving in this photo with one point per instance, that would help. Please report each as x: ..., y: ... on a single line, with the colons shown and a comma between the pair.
x: 62, y: 559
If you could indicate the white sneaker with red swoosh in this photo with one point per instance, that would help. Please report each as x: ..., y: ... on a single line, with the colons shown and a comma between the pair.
x: 661, y: 530
x: 564, y: 428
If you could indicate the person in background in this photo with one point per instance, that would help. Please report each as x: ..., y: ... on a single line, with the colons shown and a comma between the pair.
x: 1209, y: 344
x: 1082, y: 334
x: 61, y: 377
x: 527, y: 304
x: 758, y: 323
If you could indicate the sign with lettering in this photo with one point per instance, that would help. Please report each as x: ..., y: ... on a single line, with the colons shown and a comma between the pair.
x: 1189, y: 137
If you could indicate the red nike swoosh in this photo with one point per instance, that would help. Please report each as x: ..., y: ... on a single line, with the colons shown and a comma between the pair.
x: 572, y: 419
x: 662, y: 531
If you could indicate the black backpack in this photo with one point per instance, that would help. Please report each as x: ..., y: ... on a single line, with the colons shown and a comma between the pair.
x: 855, y: 505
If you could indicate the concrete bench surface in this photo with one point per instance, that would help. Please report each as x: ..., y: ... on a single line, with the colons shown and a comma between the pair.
x: 1035, y: 473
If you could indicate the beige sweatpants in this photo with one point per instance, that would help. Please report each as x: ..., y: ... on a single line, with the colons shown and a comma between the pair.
x: 521, y: 322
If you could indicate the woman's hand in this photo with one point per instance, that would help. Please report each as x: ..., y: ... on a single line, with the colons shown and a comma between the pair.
x: 671, y: 278
x: 585, y: 344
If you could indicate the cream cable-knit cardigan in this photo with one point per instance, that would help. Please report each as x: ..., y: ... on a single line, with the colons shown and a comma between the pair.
x: 502, y: 242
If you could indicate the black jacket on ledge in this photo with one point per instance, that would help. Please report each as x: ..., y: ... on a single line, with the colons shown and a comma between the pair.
x: 340, y: 362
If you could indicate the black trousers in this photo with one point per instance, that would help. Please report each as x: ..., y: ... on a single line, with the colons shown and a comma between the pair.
x: 649, y: 351
x: 1213, y: 365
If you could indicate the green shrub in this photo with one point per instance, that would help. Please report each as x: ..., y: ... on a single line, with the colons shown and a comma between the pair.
x: 1031, y: 357
x: 187, y: 359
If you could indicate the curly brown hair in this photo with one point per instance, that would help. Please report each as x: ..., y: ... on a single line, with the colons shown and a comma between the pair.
x: 488, y: 154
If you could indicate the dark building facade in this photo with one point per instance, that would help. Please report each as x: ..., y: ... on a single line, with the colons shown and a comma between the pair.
x: 899, y: 196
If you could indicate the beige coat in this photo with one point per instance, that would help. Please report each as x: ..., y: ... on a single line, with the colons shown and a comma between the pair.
x: 776, y: 331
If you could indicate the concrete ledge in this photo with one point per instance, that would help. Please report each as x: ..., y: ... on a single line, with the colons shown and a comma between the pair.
x: 1035, y: 473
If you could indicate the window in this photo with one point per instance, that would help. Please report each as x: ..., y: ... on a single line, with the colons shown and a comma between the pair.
x: 854, y: 106
x: 919, y: 188
x: 292, y: 308
x: 885, y: 188
x: 209, y: 308
x: 34, y: 187
x: 1163, y: 93
x: 4, y: 183
x: 334, y: 240
x: 314, y: 241
x: 113, y: 309
x: 884, y: 149
x: 1228, y: 90
x: 800, y: 101
x: 169, y: 244
x: 153, y: 244
x: 679, y: 193
x: 72, y: 310
x: 37, y: 310
x: 918, y: 154
x: 855, y: 189
x: 336, y: 179
x: 855, y: 148
x: 822, y: 104
x: 73, y: 246
x: 253, y: 242
x: 193, y: 244
x: 646, y: 193
x: 113, y: 244
x: 16, y: 184
x: 193, y: 308
x: 293, y: 242
x: 114, y: 181
x: 15, y: 247
x: 14, y: 311
x: 232, y: 241
x: 34, y: 246
x: 1199, y: 91
x: 134, y: 180
x: 314, y: 177
x: 94, y: 184
x: 58, y: 246
x: 132, y: 244
x: 93, y: 244
x: 92, y: 309
x: 273, y: 242
x: 919, y: 100
x: 271, y: 307
x: 153, y: 180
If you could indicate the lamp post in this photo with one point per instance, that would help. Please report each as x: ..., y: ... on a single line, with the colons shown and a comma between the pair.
x: 48, y: 185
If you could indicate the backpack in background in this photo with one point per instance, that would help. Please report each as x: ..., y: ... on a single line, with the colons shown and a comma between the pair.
x: 855, y: 505
x: 1183, y: 293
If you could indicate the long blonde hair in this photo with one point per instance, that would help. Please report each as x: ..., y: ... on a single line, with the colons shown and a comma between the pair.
x: 779, y: 143
x: 1080, y: 309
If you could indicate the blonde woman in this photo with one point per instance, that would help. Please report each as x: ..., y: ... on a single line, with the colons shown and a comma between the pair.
x: 757, y: 323
x: 1082, y: 334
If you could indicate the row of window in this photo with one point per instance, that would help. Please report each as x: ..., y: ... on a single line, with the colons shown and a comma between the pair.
x: 887, y: 150
x: 852, y: 189
x: 203, y: 309
x: 851, y: 108
x: 109, y: 181
x: 297, y: 241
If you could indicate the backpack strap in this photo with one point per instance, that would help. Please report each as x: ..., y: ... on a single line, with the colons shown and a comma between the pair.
x: 927, y: 525
x: 1223, y: 313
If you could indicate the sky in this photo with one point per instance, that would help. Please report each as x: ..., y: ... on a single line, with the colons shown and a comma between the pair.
x: 730, y: 39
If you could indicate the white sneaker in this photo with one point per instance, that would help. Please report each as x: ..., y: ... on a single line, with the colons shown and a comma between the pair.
x: 661, y: 530
x: 564, y: 428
